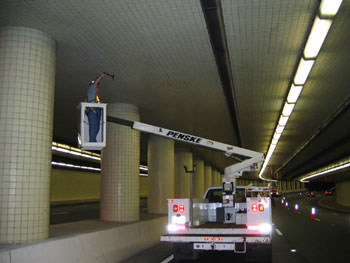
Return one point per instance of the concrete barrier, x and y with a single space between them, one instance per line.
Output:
110 245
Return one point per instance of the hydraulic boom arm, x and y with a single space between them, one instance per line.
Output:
251 159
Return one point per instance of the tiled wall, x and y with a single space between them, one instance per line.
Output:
160 173
207 176
27 81
74 185
120 167
198 179
183 157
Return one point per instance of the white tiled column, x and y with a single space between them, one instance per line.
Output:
207 176
27 86
183 157
198 178
120 201
160 173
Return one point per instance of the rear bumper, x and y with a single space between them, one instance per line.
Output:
216 239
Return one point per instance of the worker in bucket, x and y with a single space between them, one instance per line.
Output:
94 113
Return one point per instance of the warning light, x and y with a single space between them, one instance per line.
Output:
296 208
313 213
175 208
261 207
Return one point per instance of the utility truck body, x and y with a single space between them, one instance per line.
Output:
244 228
228 218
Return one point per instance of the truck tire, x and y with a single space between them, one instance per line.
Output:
184 251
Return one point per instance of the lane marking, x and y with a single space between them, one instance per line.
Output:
63 213
168 259
278 232
317 219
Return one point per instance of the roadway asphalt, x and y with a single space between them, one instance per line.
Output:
324 239
296 237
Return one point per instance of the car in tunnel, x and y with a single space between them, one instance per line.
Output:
330 191
310 194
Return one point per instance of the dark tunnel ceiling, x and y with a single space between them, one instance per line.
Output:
162 55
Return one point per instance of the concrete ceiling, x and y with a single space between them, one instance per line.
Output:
161 53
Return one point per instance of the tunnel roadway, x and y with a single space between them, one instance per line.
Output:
296 237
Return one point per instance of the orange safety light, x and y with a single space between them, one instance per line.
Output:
261 207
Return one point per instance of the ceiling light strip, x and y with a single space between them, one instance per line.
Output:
59 147
328 9
330 169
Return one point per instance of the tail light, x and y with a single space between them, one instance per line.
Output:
182 208
175 208
264 228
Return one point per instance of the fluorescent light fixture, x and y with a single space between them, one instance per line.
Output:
75 166
74 151
317 36
294 93
279 129
274 141
288 109
277 136
330 7
272 147
283 120
303 71
343 166
143 168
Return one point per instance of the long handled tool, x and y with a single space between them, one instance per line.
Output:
110 75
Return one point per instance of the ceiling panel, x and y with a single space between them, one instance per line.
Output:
161 54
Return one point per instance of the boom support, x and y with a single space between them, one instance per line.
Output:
251 159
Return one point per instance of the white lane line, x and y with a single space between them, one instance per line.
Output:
168 259
317 219
278 232
63 213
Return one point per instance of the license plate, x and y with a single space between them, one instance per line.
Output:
215 246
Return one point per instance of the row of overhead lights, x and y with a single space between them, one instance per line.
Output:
63 148
59 147
343 164
322 23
